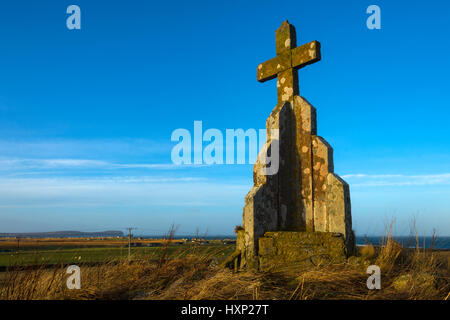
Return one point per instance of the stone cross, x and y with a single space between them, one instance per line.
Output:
289 59
303 210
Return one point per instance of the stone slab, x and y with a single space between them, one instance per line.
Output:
300 250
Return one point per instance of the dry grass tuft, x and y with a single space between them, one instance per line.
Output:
367 251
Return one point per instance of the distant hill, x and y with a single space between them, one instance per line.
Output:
63 234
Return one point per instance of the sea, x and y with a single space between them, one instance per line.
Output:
439 243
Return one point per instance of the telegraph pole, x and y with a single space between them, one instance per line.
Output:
129 243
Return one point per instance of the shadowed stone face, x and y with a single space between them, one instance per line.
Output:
304 197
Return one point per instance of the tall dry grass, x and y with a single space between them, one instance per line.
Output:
195 274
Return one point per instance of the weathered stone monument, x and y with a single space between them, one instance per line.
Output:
301 214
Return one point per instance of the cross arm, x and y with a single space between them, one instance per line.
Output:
294 58
268 70
306 54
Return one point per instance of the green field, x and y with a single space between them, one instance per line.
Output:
105 254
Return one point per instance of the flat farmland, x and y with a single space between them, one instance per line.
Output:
65 251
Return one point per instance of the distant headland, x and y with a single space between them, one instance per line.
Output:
63 234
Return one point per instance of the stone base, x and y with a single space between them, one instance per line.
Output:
301 250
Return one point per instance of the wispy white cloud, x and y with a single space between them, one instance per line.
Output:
73 148
383 180
49 164
14 164
161 166
127 191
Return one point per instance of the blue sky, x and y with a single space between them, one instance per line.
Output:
86 115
